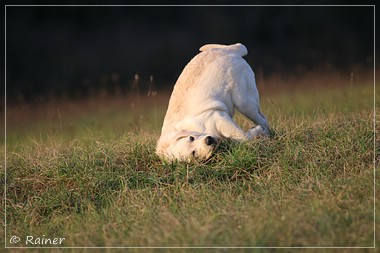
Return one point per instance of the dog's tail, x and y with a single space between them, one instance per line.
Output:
237 48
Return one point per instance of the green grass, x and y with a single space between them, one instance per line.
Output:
93 178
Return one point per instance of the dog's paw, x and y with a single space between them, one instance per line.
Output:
258 131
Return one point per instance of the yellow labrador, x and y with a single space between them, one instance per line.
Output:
201 107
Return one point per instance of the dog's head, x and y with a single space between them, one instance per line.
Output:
185 146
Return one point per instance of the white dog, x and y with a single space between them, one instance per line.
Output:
201 107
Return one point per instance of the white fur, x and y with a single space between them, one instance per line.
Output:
211 86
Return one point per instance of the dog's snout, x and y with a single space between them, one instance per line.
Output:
210 140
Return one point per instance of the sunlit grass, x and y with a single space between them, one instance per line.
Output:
93 178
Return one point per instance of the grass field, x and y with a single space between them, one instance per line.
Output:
86 171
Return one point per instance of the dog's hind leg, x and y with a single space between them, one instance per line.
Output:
259 119
246 101
254 114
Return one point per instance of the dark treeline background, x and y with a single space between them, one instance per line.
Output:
76 50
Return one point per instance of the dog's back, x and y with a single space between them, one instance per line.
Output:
205 78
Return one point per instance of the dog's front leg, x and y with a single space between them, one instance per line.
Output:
227 127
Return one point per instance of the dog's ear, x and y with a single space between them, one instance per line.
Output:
167 139
162 144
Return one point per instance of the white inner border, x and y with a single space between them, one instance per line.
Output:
374 121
